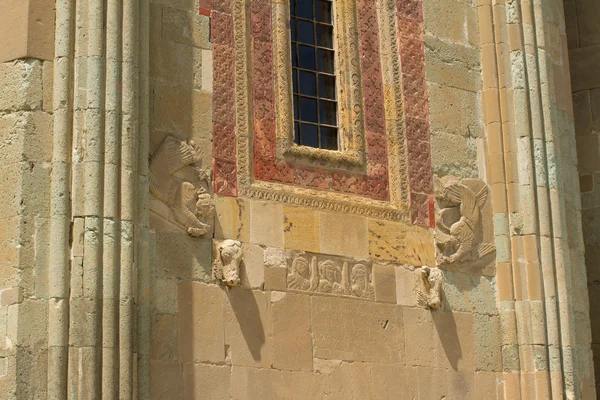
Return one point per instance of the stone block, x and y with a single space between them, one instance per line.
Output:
446 19
165 295
309 386
232 219
166 380
460 385
266 223
582 65
204 381
384 280
488 346
201 322
344 235
301 229
164 338
485 385
22 85
454 65
420 248
247 327
405 284
252 272
389 382
582 110
176 64
356 330
387 240
350 381
432 383
276 278
207 71
188 28
588 23
453 155
454 110
263 384
291 332
588 153
28 29
11 296
182 257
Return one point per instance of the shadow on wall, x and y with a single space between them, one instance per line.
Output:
247 315
446 328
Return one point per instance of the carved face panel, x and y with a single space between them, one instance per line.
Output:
360 277
300 264
231 257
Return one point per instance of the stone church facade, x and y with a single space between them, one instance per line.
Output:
299 199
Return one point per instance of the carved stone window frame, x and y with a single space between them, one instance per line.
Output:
351 128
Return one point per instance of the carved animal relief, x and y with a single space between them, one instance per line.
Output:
329 277
228 258
459 233
428 287
180 199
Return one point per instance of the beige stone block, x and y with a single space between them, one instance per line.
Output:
176 64
11 296
201 322
390 382
454 340
488 354
263 384
588 153
182 257
588 16
351 382
165 295
432 383
356 330
247 327
460 385
405 284
446 19
207 71
387 240
188 28
276 278
232 219
384 280
291 331
309 386
453 155
344 235
164 338
301 229
454 65
253 267
166 380
27 29
266 223
9 245
22 85
204 381
455 110
420 248
485 385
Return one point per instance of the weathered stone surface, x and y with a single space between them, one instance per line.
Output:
266 224
253 267
166 380
582 61
265 384
355 330
347 236
384 280
204 381
247 328
301 229
454 65
232 219
350 381
310 386
22 82
201 322
291 332
164 340
390 382
186 27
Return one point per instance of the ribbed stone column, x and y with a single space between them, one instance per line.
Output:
532 169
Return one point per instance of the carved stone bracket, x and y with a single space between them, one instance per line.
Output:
179 190
329 277
227 262
459 235
429 284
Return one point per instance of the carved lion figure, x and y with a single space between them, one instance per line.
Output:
226 267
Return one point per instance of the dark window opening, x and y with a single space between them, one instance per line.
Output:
313 74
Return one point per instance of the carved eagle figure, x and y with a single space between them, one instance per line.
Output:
462 232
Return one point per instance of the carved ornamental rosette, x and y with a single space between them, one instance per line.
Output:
328 276
464 233
179 201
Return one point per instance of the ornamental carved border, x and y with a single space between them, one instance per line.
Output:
385 168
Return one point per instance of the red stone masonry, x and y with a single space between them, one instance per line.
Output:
267 166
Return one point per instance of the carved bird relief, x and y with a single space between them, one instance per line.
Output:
186 202
458 241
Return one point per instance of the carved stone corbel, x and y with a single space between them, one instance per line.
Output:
459 228
227 262
179 190
429 284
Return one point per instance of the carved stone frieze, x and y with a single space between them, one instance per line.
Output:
329 276
459 232
227 262
429 283
180 200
